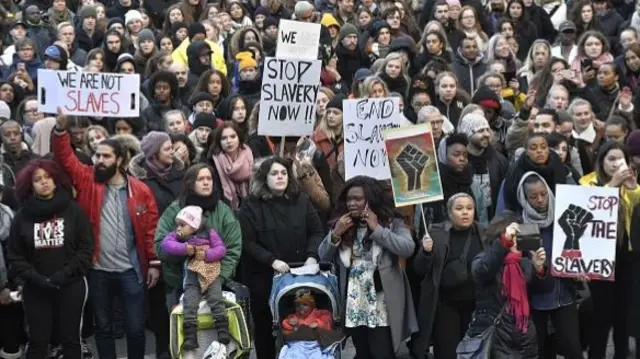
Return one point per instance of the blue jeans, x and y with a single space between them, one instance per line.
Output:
104 288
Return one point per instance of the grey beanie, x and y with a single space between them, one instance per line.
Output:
152 142
146 34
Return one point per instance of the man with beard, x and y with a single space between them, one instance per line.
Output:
441 14
351 55
487 165
492 107
123 214
15 152
186 85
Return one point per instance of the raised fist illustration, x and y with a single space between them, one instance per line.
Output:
573 222
412 161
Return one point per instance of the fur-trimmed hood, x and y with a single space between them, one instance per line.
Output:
131 144
234 44
138 170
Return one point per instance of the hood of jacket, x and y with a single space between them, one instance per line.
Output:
464 61
193 57
130 143
225 109
139 170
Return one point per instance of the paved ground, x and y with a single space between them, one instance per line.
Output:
349 352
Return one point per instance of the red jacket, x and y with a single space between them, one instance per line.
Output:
90 195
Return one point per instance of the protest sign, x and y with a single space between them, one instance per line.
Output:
96 94
363 122
298 40
288 99
413 163
585 232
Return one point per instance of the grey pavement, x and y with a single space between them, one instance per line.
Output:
348 353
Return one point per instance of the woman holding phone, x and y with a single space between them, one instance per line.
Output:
559 304
367 239
611 299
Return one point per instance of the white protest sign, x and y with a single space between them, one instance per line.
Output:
298 40
288 99
363 122
585 232
89 93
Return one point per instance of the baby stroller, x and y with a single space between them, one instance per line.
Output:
321 281
240 346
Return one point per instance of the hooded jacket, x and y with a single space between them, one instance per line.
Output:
152 116
181 55
468 71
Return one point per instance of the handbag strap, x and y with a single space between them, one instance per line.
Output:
496 320
465 251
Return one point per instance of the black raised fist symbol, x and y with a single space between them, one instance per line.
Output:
412 161
573 222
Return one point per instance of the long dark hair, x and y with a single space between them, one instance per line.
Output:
379 200
603 178
260 189
189 181
498 224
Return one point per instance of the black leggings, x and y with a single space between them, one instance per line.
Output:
55 311
567 337
450 324
372 343
12 333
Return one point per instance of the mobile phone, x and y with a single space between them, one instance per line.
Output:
529 238
509 75
586 63
622 164
15 296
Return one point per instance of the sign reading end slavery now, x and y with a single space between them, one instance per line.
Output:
89 93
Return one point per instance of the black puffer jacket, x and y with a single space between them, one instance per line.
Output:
508 340
165 190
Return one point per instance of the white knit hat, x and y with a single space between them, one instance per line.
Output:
132 15
472 123
191 216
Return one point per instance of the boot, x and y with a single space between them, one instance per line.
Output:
190 332
5 355
222 327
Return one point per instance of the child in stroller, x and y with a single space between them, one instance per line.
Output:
306 314
205 250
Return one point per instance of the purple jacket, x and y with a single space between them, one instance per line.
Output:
172 245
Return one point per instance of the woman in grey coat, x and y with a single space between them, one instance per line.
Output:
367 240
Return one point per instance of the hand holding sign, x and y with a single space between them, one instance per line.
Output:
573 222
412 161
61 120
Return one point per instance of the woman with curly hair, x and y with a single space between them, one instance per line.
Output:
367 239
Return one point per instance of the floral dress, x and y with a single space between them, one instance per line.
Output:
364 306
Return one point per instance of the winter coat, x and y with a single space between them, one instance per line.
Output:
280 228
324 144
429 267
221 220
389 245
86 42
349 62
42 35
174 246
468 72
16 163
31 67
47 245
6 217
179 55
90 196
453 110
486 271
165 190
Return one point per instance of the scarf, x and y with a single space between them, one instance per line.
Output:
514 290
37 208
453 181
157 168
529 214
207 203
234 175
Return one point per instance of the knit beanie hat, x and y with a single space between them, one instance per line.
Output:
271 21
302 7
191 216
132 15
124 58
261 10
245 60
346 30
633 143
403 43
87 11
453 3
336 101
195 29
113 21
304 296
472 123
144 35
486 97
152 142
201 96
5 110
205 120
362 74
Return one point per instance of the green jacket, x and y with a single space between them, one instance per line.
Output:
222 220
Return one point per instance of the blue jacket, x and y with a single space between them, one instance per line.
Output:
564 290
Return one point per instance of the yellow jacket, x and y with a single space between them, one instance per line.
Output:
507 93
179 55
629 198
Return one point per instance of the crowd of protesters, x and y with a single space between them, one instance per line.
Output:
521 96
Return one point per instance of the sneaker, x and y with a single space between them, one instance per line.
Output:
86 350
55 352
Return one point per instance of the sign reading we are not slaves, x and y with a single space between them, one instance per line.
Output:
89 93
288 98
298 40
